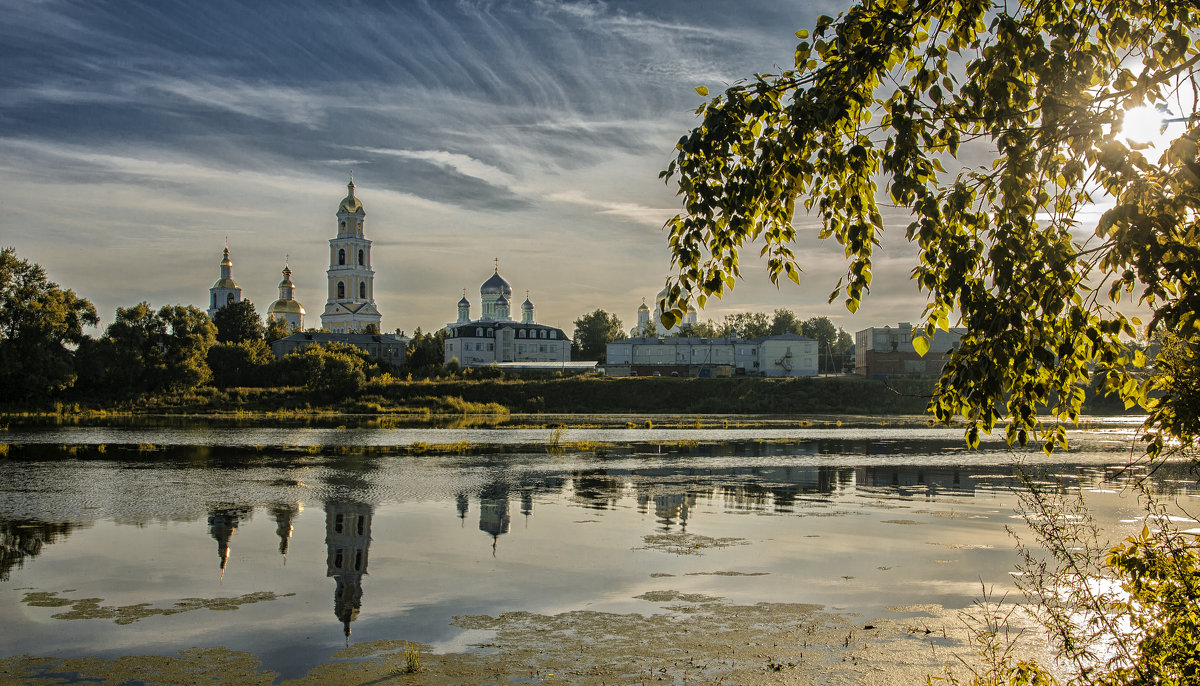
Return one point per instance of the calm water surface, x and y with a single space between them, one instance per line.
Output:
291 554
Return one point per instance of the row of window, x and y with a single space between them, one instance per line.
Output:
342 258
362 290
467 347
480 332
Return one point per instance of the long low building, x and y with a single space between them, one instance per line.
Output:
788 355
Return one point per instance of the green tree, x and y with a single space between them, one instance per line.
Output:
704 329
246 363
593 331
336 368
40 324
426 353
131 352
785 321
189 335
822 330
237 322
277 328
746 325
880 101
153 351
842 348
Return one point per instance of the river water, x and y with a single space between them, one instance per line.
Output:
281 543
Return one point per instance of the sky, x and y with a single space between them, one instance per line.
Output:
137 137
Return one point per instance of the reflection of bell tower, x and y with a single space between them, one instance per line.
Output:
284 513
223 522
493 511
347 537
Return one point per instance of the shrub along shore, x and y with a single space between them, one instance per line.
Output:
570 395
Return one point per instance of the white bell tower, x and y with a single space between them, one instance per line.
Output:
351 301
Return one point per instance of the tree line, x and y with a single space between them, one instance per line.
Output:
45 354
595 330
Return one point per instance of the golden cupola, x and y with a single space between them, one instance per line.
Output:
286 307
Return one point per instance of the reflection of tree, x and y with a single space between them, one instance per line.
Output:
24 539
223 521
347 540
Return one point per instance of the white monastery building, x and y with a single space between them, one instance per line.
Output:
225 291
286 307
495 337
351 301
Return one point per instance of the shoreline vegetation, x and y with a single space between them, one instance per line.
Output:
429 400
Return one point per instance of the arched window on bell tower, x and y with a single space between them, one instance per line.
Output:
360 258
341 291
362 290
341 256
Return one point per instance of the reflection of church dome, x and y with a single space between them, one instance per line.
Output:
502 300
223 522
643 307
464 302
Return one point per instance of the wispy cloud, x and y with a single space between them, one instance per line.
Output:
647 216
459 163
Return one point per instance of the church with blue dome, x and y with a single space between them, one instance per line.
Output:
495 337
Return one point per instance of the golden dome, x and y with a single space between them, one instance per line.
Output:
350 203
285 307
225 283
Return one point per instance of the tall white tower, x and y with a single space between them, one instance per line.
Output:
351 301
225 291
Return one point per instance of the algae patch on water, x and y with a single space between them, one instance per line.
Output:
91 608
712 642
687 543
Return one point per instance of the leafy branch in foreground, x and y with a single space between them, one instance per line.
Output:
903 99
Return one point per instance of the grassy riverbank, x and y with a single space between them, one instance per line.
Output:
595 395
